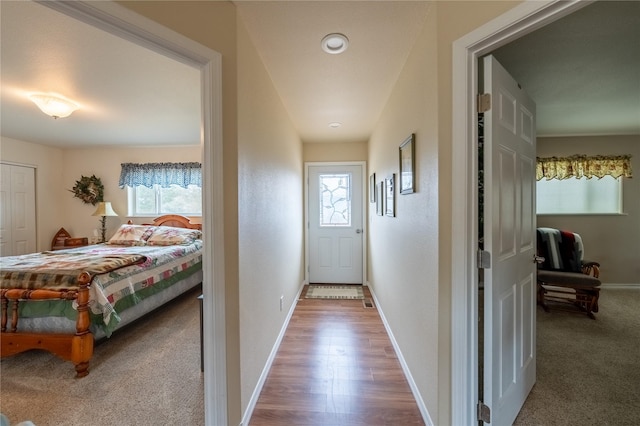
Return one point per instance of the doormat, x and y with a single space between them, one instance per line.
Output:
316 291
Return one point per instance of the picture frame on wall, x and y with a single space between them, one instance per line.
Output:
407 165
372 188
380 198
389 201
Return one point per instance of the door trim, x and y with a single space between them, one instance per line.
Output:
365 197
122 22
515 23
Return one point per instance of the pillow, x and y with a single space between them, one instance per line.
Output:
169 236
131 235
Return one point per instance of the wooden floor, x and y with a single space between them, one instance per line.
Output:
336 367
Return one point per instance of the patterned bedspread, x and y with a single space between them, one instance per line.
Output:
58 270
143 271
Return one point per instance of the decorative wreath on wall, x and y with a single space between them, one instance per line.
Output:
89 189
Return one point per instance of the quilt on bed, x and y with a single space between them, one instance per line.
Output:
151 269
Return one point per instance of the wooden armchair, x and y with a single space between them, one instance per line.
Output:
563 276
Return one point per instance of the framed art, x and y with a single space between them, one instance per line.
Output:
389 201
372 188
380 198
407 165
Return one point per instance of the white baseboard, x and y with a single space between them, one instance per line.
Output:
265 371
619 286
405 368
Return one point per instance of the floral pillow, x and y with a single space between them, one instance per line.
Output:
131 235
169 236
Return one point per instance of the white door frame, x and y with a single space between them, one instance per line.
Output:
521 20
120 21
365 197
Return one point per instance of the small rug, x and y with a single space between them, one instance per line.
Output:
316 291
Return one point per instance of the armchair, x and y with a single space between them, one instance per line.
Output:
564 276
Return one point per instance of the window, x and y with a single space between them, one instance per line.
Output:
581 184
163 188
335 200
157 201
579 196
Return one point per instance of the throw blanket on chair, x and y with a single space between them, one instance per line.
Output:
562 250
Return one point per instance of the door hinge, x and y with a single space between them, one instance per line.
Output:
484 102
484 259
484 412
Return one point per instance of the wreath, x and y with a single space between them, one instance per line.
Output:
89 189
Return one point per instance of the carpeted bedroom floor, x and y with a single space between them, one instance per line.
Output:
588 371
147 374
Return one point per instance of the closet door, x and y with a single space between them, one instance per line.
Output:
17 210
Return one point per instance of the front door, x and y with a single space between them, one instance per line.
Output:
334 224
509 237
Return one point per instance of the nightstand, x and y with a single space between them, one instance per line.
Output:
63 240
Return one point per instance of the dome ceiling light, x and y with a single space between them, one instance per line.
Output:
335 125
53 105
335 43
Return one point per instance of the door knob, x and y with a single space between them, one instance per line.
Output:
358 231
538 259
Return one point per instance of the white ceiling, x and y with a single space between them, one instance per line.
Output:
583 71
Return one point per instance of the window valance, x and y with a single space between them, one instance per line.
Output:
163 174
579 166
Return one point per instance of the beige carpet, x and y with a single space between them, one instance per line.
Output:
146 374
317 291
588 371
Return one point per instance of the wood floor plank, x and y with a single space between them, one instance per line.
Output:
336 367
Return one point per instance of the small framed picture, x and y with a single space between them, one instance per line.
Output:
372 188
390 191
407 165
380 198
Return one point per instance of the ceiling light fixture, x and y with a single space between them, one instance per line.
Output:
335 43
53 105
335 125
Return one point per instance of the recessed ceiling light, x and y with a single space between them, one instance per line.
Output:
335 43
335 125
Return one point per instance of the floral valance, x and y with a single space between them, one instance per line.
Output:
579 166
163 174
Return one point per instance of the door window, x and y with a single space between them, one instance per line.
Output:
335 199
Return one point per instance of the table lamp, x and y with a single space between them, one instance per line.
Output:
104 209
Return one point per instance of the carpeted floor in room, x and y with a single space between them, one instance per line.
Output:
146 374
588 371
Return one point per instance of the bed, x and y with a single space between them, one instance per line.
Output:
61 301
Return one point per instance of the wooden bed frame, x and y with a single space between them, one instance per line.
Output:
77 347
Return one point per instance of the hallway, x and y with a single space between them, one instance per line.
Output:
336 367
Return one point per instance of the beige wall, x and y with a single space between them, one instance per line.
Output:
612 240
105 164
57 171
270 177
327 152
49 166
402 268
411 276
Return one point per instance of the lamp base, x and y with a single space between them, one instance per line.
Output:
103 228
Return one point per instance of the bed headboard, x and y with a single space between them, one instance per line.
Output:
175 220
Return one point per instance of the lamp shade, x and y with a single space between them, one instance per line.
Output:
104 209
54 106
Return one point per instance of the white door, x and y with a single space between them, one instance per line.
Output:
335 231
18 210
509 230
